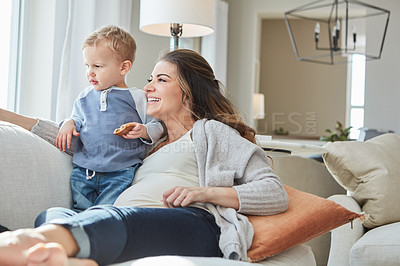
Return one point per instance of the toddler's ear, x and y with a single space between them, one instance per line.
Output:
125 67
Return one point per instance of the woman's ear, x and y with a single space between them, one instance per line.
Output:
185 100
126 67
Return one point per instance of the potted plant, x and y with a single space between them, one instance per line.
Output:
340 133
281 131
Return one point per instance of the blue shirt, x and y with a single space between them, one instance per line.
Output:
97 114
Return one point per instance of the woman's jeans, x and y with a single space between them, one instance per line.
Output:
98 188
110 234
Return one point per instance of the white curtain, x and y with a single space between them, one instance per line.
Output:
83 18
214 47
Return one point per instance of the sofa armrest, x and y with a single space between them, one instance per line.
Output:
344 237
34 175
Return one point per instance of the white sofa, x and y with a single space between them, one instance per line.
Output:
34 175
370 172
358 246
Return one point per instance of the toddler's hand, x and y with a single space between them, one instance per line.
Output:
139 131
63 140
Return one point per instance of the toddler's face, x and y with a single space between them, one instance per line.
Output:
103 67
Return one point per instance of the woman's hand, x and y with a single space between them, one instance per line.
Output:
185 196
139 131
63 140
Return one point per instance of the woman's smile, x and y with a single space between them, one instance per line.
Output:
151 100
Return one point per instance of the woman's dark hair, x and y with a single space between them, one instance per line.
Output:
197 81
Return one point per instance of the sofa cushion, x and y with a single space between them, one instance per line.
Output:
34 176
380 246
371 172
299 256
307 217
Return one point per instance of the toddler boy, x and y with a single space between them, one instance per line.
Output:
105 164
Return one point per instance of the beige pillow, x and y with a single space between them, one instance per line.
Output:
371 171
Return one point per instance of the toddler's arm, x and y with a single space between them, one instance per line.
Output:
138 131
63 140
154 127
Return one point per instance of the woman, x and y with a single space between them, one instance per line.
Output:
191 192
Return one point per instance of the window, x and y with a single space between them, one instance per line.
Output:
357 92
5 22
9 47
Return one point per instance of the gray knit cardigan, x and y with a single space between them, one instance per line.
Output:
226 159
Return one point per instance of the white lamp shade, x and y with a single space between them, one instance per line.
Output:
196 16
258 106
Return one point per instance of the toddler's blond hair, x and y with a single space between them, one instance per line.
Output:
120 41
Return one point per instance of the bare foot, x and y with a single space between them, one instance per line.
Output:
50 254
13 245
28 247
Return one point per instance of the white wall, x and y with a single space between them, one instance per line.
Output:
243 45
382 82
300 97
382 92
148 51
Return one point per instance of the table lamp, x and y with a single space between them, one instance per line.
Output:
258 106
177 18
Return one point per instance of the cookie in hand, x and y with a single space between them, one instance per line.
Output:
125 128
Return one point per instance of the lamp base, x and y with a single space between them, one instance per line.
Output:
176 32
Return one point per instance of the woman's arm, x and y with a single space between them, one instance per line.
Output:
45 129
225 159
17 119
185 196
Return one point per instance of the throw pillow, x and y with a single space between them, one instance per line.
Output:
370 170
307 217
